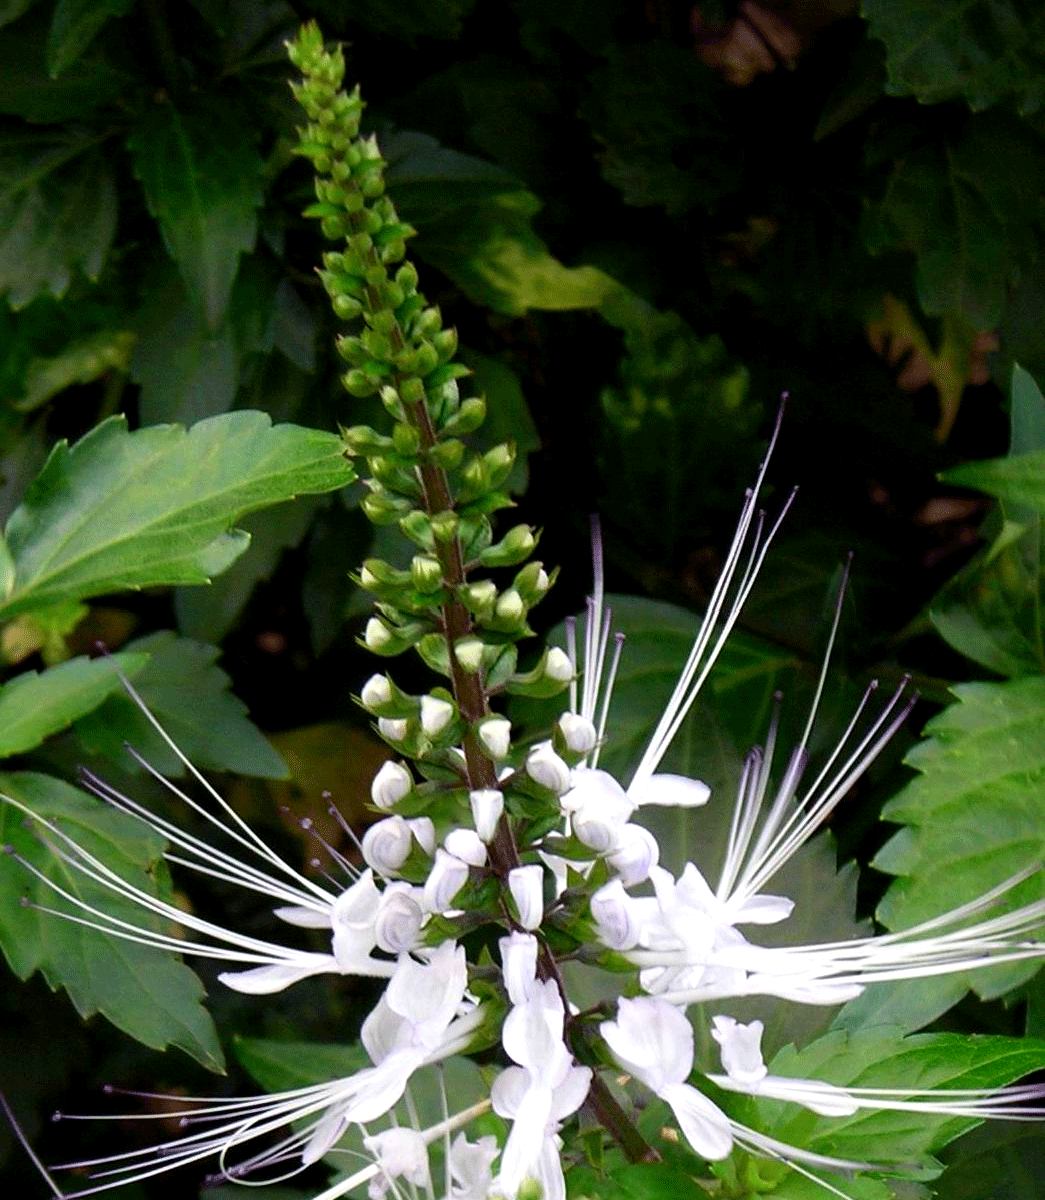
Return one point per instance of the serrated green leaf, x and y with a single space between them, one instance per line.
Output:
147 993
74 24
982 50
57 212
129 510
190 697
279 1066
976 813
201 174
33 706
881 1058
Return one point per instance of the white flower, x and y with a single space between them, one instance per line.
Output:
399 919
545 767
436 715
527 887
392 782
495 733
654 1042
537 1094
487 806
635 854
470 1164
399 1153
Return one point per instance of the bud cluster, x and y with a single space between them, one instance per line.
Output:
422 475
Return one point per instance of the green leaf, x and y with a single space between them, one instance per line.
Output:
475 226
186 372
970 210
880 1058
147 993
280 1066
57 212
82 361
74 24
1018 480
130 510
201 174
209 613
33 706
975 815
1002 1160
27 90
189 696
982 50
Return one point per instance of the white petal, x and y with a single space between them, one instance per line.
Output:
652 1040
519 965
761 910
571 1093
304 918
507 1091
527 887
263 981
671 791
704 1125
741 1048
598 793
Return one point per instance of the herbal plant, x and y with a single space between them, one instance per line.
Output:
507 874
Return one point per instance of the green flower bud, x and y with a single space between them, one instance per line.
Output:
444 526
499 462
393 404
532 582
510 607
412 391
469 653
357 383
447 454
383 509
418 528
406 277
468 417
406 438
479 597
361 439
516 545
426 574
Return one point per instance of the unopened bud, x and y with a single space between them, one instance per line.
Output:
436 714
446 878
377 634
636 854
426 573
487 806
510 606
466 845
545 767
390 785
495 733
469 653
376 692
386 845
579 734
557 665
527 887
612 912
399 919
392 728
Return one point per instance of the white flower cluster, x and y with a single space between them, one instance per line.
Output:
398 918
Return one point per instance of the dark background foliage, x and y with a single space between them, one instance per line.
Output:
647 220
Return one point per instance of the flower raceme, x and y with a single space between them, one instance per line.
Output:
584 880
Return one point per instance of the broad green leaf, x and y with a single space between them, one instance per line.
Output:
280 1066
57 212
907 1005
475 223
1018 480
201 175
82 361
27 90
209 613
982 50
33 706
186 372
969 208
991 611
130 510
881 1058
975 815
190 698
74 24
147 993
1002 1160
